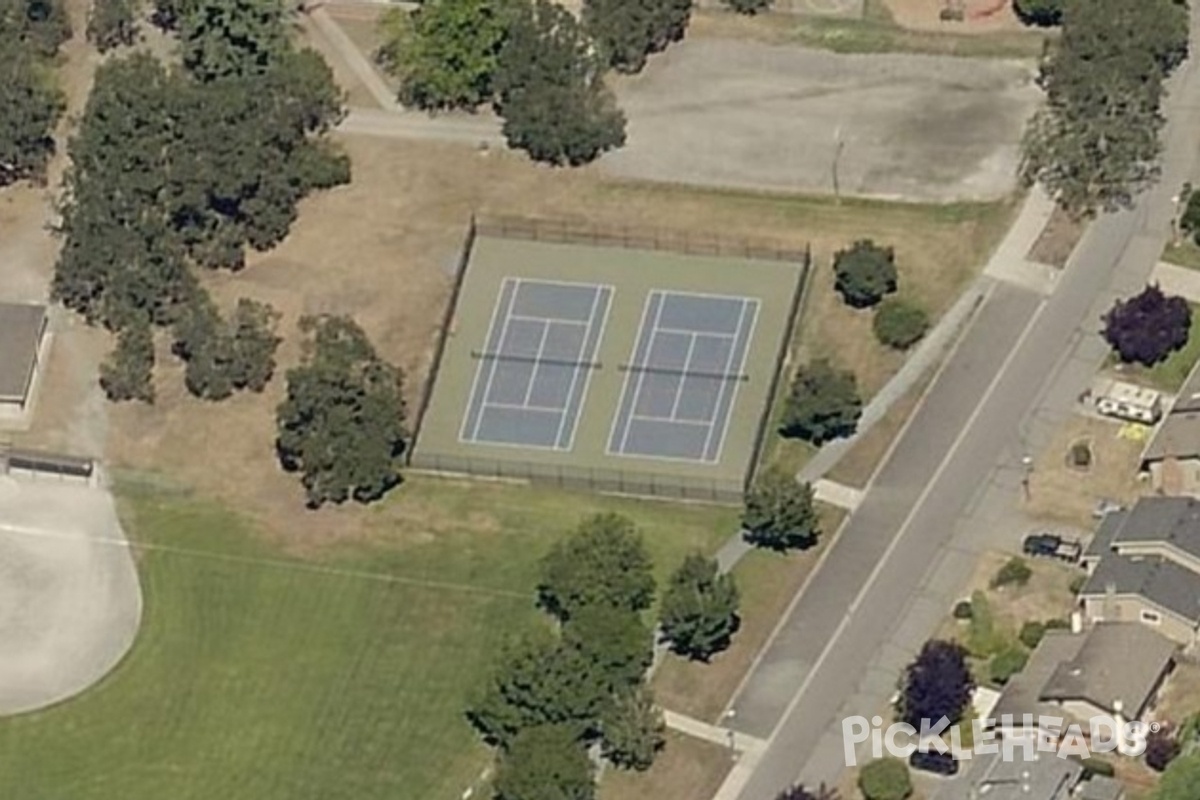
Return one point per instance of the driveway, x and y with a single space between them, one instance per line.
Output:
751 115
70 603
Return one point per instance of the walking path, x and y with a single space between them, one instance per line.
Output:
355 60
727 737
837 494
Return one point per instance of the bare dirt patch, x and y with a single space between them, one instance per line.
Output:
1057 240
1180 695
979 16
1062 492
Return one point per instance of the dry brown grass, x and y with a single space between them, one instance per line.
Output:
1063 493
1179 698
1058 239
686 769
768 582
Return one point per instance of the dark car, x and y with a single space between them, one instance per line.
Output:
935 762
1048 545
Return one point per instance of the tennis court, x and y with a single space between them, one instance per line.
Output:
616 365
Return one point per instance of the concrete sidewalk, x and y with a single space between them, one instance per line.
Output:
726 737
1177 280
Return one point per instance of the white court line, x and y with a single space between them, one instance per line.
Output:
462 432
525 407
725 383
689 422
560 320
637 339
686 332
607 290
575 372
637 388
687 362
537 363
750 303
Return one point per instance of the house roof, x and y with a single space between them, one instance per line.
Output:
1099 787
1117 661
1043 777
1101 542
1188 398
1160 581
1153 520
1179 434
1111 661
20 334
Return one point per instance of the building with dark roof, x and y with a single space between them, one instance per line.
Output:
22 330
1172 457
1144 566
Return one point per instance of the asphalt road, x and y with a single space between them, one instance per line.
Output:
972 422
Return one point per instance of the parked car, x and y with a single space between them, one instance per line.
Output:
1104 507
935 762
1048 545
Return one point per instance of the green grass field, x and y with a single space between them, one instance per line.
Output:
261 675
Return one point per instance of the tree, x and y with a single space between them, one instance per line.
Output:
799 792
1006 663
1180 780
221 356
699 609
30 107
937 684
550 89
899 324
112 23
342 423
823 404
865 273
885 779
1162 747
128 372
545 763
627 31
632 729
537 681
603 562
1148 327
614 641
445 52
1043 13
40 25
779 513
224 38
1094 144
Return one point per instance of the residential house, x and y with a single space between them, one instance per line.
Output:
1144 566
1172 457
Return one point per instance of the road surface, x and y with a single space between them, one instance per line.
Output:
1015 373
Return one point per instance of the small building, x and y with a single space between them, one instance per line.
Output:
22 330
1172 456
1128 401
1042 776
1144 566
1112 669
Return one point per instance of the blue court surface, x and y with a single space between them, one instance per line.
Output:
683 378
534 370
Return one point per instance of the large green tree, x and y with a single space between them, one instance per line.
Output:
699 608
545 763
128 372
613 639
223 38
780 513
550 89
112 23
627 31
1094 144
632 729
823 404
226 356
341 425
30 107
445 52
42 25
603 562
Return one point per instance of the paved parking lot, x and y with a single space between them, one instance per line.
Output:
746 114
70 602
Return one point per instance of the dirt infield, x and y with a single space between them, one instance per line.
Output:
750 115
70 603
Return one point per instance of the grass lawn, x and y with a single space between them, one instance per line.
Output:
1169 374
259 674
687 769
767 581
1184 254
875 32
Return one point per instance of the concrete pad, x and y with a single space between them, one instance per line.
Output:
837 494
1177 280
70 602
752 115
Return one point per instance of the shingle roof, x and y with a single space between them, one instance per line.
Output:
1118 661
1179 434
1043 777
20 332
1162 582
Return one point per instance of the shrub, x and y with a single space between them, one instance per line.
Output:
749 7
1093 766
1031 633
1006 663
1043 13
1015 572
823 404
1190 221
1161 748
779 513
1147 327
962 609
865 273
885 779
899 324
1058 623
